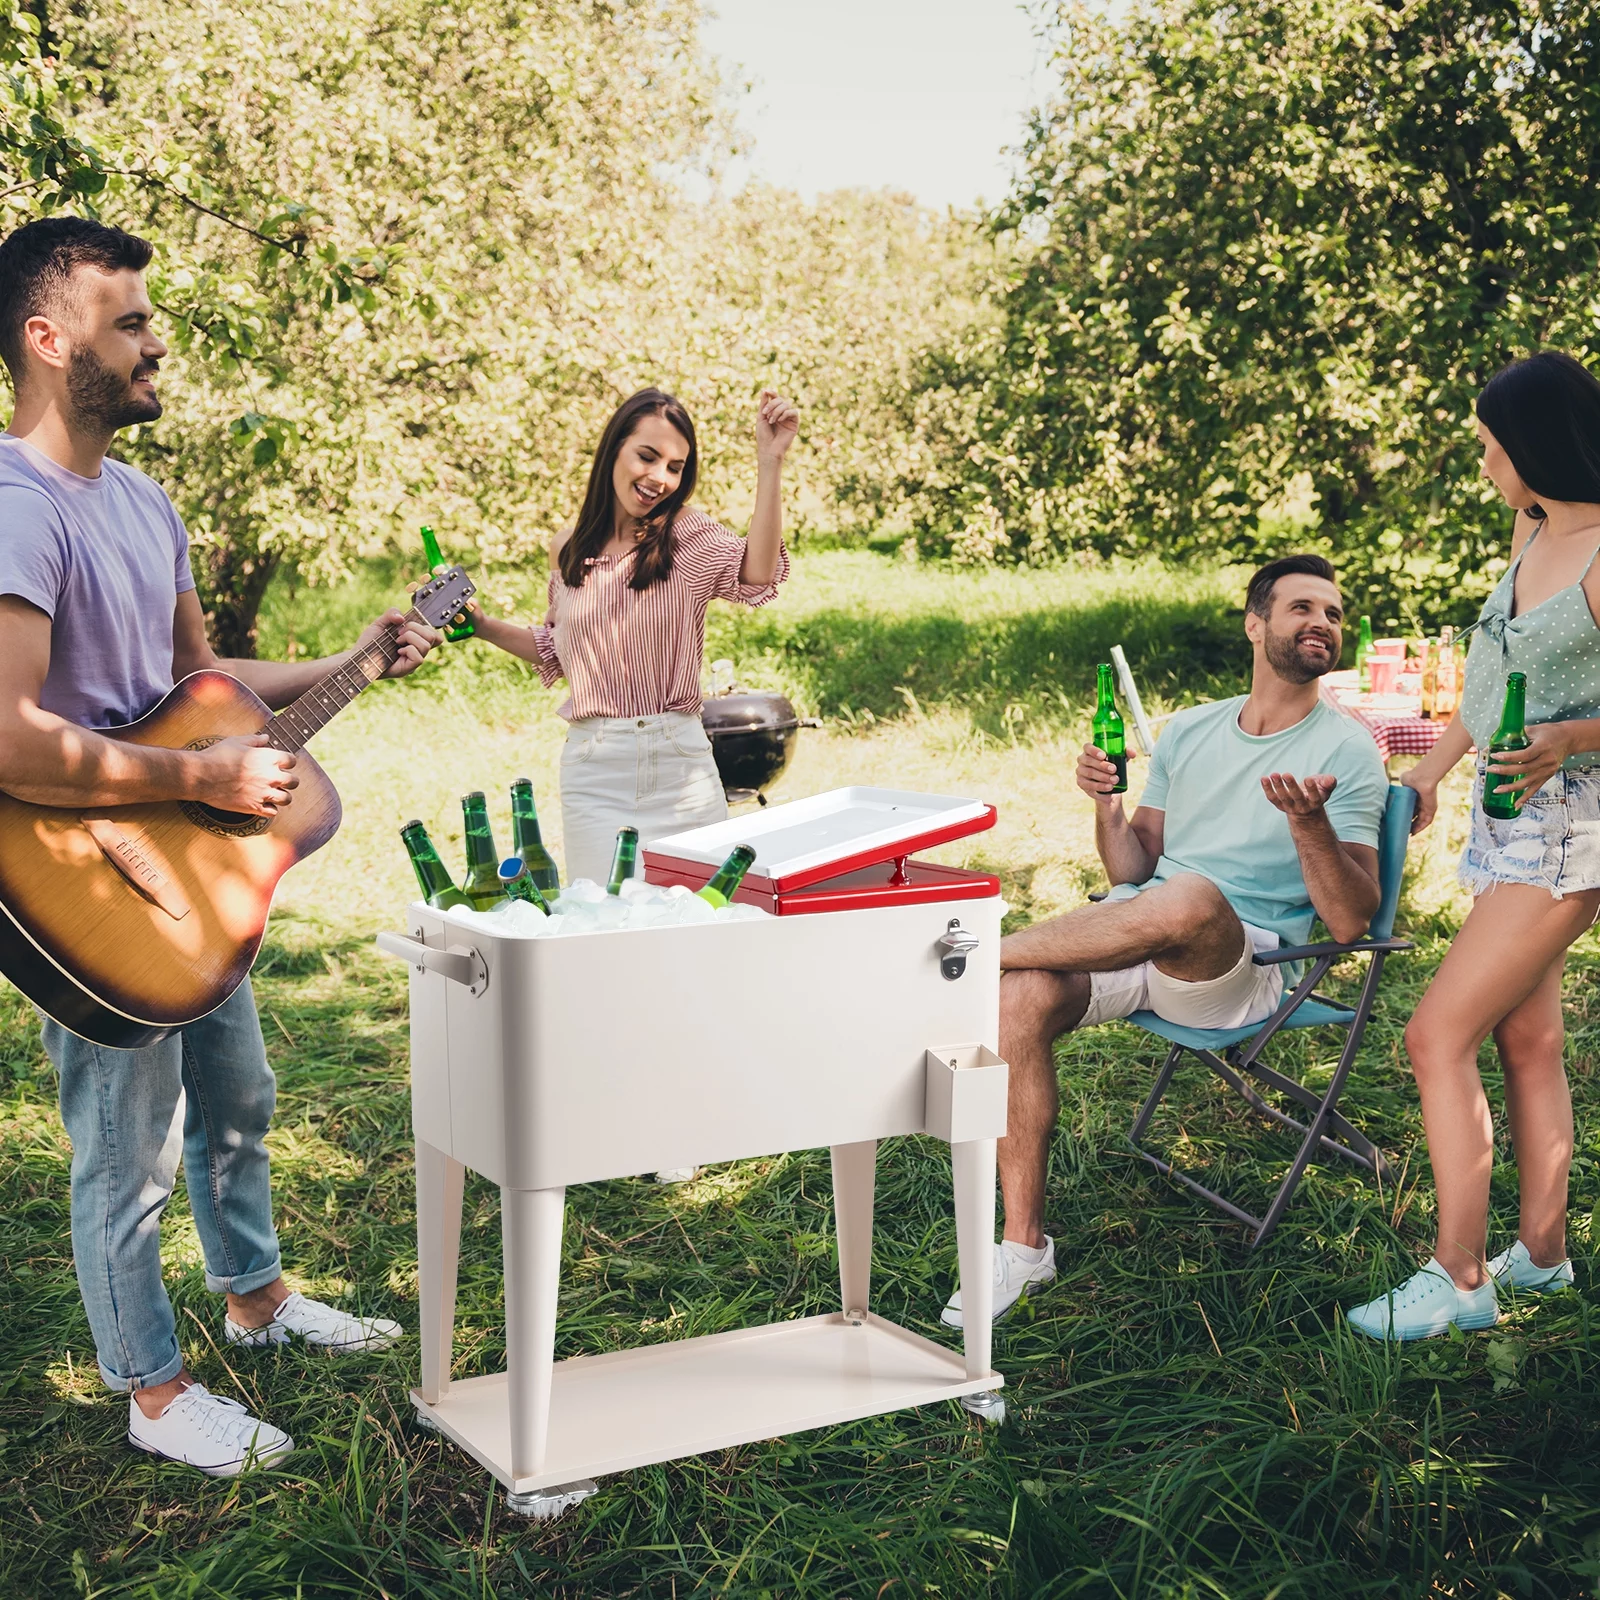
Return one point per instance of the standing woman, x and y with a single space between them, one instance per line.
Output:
1536 878
626 626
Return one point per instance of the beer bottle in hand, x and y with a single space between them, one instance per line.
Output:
1109 735
436 565
433 877
517 881
482 885
525 839
622 861
1509 737
727 878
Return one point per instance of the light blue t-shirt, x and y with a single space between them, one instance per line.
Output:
1206 776
105 559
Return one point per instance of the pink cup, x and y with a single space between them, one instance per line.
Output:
1383 671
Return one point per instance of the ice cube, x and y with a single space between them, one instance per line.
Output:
740 912
636 889
584 891
691 908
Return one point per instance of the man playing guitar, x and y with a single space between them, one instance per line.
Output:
100 617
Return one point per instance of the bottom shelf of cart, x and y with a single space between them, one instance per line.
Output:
631 1408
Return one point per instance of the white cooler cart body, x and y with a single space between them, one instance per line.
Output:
542 1063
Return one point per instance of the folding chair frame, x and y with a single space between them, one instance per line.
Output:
1237 1060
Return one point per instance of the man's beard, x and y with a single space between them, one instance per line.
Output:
102 401
1286 659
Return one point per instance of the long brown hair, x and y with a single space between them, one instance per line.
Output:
654 552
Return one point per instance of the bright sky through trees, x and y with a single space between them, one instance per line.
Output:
917 95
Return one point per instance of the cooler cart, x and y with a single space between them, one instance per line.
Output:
542 1063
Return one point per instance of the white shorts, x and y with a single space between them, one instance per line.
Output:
1244 994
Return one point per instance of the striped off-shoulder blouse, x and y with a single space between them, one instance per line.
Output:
638 652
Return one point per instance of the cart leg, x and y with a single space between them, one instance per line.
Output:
854 1169
973 1167
530 1226
439 1189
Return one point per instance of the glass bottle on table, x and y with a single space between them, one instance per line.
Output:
1447 677
1363 651
1428 657
516 880
725 881
623 859
525 838
482 883
433 877
1510 737
1110 737
436 565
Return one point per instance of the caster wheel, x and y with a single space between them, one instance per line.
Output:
545 1505
426 1423
988 1405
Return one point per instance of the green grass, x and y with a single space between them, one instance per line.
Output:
1186 1419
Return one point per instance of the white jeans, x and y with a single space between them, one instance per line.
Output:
656 774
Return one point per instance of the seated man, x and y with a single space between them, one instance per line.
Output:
1260 814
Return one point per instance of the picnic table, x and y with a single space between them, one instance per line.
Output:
1395 721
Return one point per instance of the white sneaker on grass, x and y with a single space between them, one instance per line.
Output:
203 1430
1426 1305
1016 1273
1515 1269
318 1325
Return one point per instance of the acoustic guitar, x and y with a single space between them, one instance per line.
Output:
124 923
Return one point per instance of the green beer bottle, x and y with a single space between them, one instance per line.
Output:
482 884
1109 734
517 882
1510 736
1363 650
433 877
525 839
436 565
727 878
622 862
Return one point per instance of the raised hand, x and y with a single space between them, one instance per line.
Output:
777 425
245 774
1298 797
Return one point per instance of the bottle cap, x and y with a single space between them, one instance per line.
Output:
472 797
511 868
406 827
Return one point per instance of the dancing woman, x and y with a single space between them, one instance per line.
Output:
626 626
1535 878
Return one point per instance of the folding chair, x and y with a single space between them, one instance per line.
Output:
1234 1053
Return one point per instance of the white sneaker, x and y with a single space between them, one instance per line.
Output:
319 1325
1515 1269
1013 1278
676 1175
203 1430
1426 1305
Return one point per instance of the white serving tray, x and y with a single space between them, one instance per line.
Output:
843 825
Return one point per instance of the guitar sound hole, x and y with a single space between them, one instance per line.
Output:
230 824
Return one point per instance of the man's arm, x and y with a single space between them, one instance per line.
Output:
280 683
52 762
1128 850
1342 879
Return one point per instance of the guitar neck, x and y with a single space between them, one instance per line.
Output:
292 727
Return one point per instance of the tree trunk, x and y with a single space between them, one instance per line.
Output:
232 582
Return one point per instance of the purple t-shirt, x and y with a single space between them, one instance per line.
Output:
105 559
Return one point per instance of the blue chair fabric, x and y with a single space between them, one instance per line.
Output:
1233 1054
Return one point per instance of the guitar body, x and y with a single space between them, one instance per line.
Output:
124 923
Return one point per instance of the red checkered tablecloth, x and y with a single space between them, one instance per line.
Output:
1397 730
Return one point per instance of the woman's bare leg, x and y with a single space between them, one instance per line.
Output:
1539 1109
1511 941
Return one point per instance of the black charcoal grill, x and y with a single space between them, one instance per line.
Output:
752 733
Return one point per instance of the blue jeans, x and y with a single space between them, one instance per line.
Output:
206 1091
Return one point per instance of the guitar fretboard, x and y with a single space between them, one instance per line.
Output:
325 699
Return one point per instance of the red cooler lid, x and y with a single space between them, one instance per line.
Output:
807 841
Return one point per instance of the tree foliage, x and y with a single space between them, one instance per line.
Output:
1276 248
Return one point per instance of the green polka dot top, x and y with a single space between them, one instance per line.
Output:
1556 645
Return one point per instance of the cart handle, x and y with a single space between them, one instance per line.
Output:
459 963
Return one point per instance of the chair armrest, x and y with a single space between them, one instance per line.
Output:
1099 895
1309 952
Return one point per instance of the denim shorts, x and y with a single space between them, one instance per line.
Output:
1552 843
